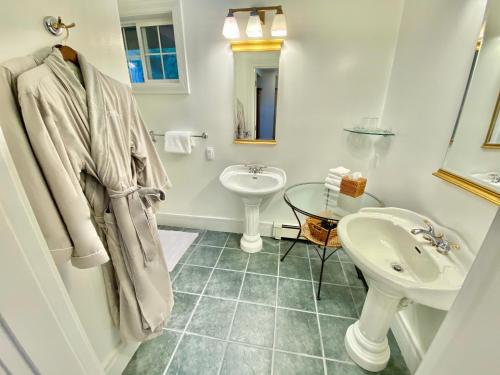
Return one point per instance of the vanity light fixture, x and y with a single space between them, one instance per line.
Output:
254 25
255 22
231 29
278 27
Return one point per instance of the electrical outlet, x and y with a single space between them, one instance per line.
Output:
210 153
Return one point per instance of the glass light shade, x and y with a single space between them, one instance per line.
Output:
254 27
231 30
278 27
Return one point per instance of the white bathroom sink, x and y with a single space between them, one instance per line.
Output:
380 243
252 183
239 180
400 266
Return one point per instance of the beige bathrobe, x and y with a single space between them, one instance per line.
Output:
41 201
104 172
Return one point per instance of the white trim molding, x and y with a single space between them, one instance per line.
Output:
222 224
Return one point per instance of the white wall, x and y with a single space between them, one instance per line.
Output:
97 35
435 49
335 68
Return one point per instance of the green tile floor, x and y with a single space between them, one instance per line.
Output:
237 313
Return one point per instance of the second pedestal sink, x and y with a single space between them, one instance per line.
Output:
404 257
252 183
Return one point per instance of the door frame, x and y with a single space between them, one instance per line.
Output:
37 315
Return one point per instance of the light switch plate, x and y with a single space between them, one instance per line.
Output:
210 153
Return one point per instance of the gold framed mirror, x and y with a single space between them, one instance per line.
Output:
493 136
256 76
472 160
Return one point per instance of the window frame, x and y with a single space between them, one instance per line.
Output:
143 16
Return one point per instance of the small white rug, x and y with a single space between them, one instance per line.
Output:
175 244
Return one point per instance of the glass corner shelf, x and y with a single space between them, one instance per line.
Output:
370 131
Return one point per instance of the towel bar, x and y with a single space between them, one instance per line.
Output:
153 135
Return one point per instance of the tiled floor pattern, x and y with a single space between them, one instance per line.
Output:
236 313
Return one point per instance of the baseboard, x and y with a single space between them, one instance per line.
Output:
410 349
117 360
217 223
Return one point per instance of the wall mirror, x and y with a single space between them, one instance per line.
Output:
473 157
256 76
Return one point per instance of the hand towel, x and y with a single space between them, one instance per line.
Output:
356 175
333 178
339 171
333 181
332 187
178 142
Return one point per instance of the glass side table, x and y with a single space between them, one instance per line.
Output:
314 200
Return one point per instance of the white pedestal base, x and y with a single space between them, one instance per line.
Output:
251 241
366 339
371 356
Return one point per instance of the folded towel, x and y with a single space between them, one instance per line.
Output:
333 178
178 142
339 171
356 175
332 187
333 181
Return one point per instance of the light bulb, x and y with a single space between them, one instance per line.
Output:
278 27
231 30
254 26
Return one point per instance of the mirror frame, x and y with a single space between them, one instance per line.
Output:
257 45
494 118
469 185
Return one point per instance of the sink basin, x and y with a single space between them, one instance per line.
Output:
239 180
252 187
400 267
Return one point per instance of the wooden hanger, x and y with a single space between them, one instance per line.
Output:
68 53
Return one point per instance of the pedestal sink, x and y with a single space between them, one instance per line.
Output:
400 267
252 184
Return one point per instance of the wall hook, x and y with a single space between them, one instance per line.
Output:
55 25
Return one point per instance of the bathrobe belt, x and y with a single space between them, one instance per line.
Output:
139 201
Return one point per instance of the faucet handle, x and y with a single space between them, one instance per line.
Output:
430 227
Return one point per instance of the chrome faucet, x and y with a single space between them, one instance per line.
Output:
255 169
442 245
494 178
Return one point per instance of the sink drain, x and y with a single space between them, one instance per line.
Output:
397 267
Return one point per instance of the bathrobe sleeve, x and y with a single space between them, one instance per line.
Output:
62 179
150 171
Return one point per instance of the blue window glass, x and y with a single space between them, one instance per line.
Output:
167 38
155 70
135 70
131 41
150 39
170 66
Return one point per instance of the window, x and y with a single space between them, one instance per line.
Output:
154 47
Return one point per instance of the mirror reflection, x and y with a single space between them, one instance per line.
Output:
474 152
256 92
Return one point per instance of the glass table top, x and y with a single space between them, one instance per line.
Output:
315 200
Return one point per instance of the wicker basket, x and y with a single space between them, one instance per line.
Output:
317 231
353 188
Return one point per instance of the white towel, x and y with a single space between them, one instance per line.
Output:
178 142
332 187
339 171
333 181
